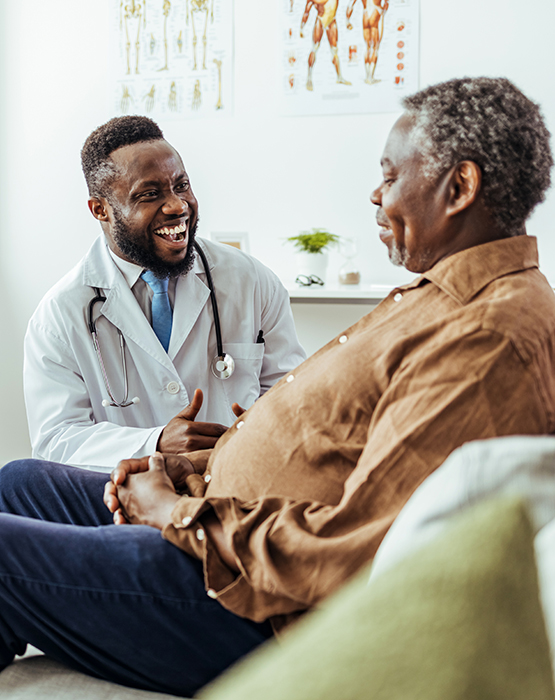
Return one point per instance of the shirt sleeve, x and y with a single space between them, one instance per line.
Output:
292 554
60 415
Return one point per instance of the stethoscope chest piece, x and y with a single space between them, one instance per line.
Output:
222 366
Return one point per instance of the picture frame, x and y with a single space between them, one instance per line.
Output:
239 240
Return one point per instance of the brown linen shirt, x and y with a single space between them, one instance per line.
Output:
307 482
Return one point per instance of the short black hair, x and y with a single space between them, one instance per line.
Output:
98 168
491 122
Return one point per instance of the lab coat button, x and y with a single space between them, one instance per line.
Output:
208 478
398 297
173 388
211 593
187 520
343 339
200 534
290 378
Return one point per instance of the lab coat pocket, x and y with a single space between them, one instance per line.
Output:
248 365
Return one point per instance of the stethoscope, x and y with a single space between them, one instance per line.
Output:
222 366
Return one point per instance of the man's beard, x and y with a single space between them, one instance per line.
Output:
145 255
399 256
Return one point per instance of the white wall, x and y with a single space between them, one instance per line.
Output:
256 171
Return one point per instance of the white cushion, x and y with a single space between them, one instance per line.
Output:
521 466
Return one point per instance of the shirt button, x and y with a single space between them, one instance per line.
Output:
187 520
200 534
173 388
343 339
398 297
240 424
208 478
211 593
290 378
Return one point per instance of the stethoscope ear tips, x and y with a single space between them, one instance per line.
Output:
136 400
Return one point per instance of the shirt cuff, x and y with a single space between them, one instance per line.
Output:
149 447
187 532
199 459
233 591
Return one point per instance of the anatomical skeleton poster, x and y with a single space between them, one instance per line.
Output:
347 56
172 58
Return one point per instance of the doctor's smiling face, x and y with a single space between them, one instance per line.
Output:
150 214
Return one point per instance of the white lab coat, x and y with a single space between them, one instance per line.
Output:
63 383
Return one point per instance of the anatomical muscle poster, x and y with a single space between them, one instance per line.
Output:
347 56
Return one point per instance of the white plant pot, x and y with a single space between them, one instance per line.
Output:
312 264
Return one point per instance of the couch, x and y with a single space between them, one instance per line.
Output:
459 602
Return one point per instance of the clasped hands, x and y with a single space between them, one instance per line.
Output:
143 491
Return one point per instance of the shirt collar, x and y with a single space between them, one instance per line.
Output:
129 270
463 275
132 272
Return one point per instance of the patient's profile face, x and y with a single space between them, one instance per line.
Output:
410 205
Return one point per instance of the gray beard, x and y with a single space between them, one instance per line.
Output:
398 256
401 258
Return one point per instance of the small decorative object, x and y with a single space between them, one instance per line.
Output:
348 272
311 256
235 240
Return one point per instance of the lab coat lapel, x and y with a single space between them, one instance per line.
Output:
191 295
121 307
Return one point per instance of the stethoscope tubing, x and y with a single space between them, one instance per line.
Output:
99 297
217 326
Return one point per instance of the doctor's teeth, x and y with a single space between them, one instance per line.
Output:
165 231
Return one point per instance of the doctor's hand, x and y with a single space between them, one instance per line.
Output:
177 467
183 434
238 410
147 497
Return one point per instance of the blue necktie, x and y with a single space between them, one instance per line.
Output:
161 309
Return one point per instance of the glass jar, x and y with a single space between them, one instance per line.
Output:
348 272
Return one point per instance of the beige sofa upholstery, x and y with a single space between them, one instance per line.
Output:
40 678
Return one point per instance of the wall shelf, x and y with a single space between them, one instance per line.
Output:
339 294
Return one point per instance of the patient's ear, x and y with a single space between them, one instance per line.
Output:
464 186
99 208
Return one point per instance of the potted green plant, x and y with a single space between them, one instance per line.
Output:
312 255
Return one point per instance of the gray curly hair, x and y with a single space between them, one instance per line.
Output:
491 122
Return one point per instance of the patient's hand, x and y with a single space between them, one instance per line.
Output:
177 468
147 497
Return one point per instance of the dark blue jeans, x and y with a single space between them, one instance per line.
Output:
116 602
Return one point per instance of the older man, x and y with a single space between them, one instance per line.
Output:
298 494
148 287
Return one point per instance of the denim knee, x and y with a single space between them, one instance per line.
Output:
15 474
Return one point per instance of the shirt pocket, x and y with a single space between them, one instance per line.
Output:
244 384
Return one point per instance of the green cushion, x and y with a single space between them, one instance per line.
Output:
461 618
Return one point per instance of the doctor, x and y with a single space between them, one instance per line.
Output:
142 197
